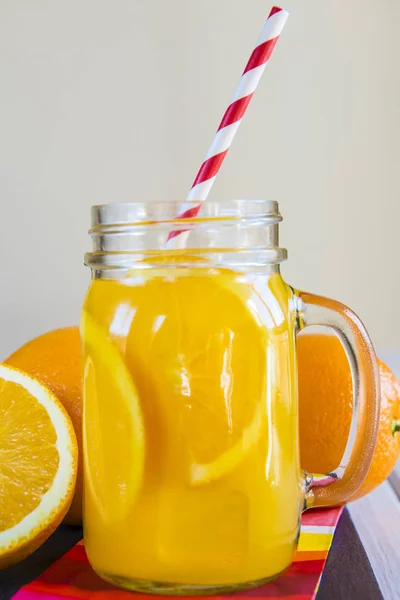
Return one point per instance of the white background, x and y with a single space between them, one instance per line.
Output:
106 101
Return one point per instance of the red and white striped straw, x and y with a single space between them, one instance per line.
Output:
233 117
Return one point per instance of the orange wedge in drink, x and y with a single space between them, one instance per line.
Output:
113 461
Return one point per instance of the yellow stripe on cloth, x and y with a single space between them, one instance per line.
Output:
316 542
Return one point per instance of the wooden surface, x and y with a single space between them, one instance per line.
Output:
377 520
348 574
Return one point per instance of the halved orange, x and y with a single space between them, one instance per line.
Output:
38 464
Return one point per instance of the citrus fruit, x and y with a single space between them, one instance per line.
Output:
196 343
38 464
224 464
55 359
326 399
113 447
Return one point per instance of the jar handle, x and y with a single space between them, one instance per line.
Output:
339 486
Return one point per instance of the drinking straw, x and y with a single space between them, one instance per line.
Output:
231 120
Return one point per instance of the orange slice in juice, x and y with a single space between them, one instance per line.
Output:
114 443
197 350
226 462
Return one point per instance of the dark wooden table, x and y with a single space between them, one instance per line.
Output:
348 574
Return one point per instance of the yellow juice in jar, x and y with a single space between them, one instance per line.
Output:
190 428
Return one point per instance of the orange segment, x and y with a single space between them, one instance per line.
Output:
226 462
197 342
113 425
38 464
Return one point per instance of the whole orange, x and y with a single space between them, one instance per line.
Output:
326 399
55 359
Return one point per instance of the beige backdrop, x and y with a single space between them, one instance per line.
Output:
105 101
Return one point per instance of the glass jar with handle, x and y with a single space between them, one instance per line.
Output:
193 483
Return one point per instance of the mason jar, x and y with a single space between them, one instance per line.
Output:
193 482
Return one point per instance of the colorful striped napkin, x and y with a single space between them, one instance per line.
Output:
72 578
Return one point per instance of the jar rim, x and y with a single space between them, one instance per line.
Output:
230 232
165 211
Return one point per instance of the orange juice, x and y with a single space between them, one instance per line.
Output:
192 479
